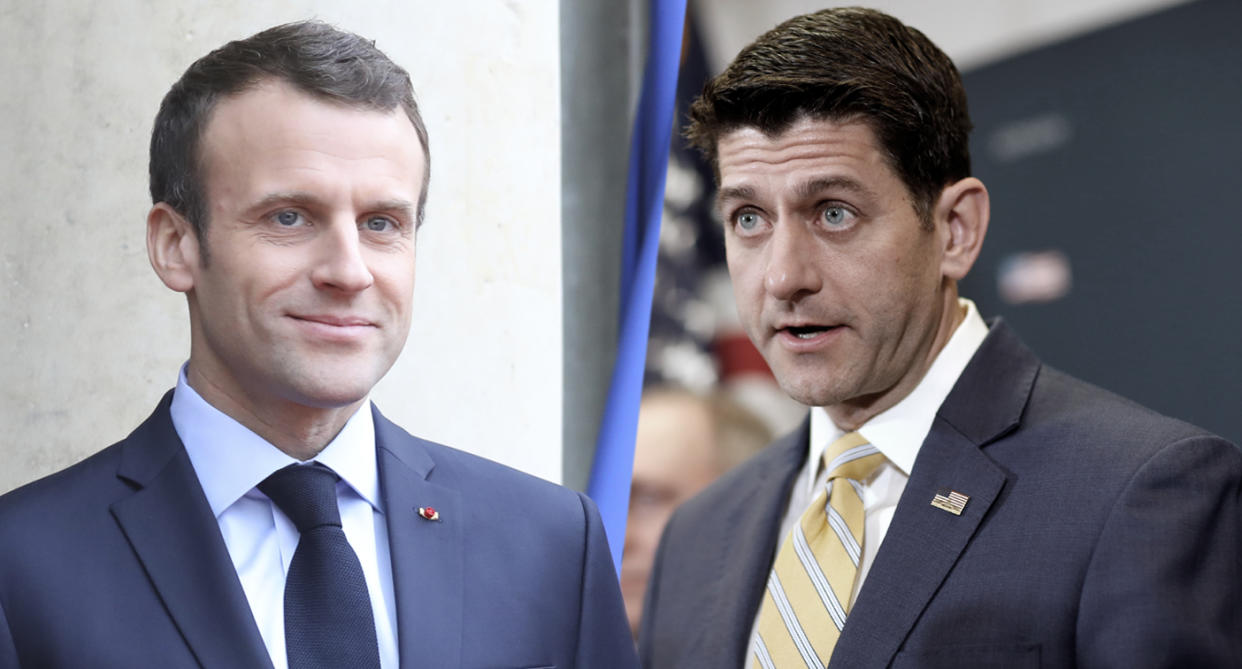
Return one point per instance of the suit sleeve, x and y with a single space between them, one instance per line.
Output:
8 649
1164 588
603 631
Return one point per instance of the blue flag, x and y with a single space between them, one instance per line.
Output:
613 466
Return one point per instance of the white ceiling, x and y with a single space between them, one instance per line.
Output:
972 32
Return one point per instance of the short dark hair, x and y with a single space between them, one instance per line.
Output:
314 57
848 64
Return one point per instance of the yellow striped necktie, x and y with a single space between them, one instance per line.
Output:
812 581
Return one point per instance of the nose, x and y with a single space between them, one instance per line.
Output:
342 263
791 271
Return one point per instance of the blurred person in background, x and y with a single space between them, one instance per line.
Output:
685 441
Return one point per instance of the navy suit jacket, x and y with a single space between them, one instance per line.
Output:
118 562
1097 534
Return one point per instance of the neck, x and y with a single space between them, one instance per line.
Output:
298 430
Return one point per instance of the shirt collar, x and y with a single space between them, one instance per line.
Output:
899 431
230 459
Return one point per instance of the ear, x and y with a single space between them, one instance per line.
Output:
172 248
963 210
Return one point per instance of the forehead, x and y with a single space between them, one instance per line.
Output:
273 124
675 432
809 148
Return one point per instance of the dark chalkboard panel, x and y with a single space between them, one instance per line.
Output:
1114 160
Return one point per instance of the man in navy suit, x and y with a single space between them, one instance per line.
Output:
1008 514
289 173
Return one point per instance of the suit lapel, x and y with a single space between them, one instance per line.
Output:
923 542
745 547
427 556
176 538
920 548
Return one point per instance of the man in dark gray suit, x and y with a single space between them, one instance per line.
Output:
950 501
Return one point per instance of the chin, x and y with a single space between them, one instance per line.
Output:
325 401
811 391
337 383
332 395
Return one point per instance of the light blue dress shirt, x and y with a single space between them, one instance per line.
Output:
230 461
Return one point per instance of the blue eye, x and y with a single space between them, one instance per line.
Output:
747 220
288 218
378 224
835 217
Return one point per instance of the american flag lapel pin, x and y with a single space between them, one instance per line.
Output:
950 500
428 513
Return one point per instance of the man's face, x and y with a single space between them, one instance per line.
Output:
305 298
675 456
837 281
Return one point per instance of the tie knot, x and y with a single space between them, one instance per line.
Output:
852 457
305 493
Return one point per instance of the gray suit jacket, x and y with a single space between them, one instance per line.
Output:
1097 534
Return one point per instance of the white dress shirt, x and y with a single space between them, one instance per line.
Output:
230 461
897 433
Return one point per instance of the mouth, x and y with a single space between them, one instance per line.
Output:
807 337
807 331
334 329
333 321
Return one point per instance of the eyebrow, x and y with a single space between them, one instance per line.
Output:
802 191
302 198
308 199
403 207
808 189
728 193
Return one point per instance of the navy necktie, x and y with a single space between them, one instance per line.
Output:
328 619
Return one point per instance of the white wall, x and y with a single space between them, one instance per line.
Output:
90 339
